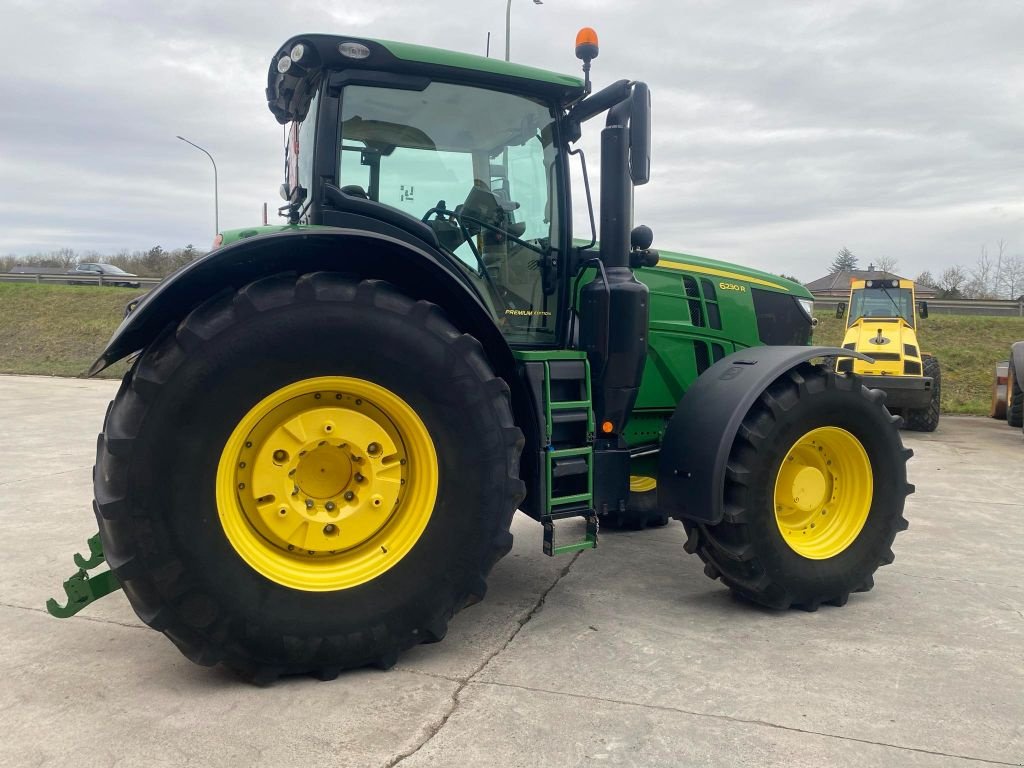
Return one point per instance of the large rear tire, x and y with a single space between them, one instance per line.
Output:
308 475
927 419
1014 398
814 495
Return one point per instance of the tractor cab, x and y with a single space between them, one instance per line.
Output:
471 172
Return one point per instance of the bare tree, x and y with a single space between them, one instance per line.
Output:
981 283
887 264
65 258
925 279
951 282
1011 277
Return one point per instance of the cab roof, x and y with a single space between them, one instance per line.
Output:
289 92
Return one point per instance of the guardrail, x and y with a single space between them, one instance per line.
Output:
993 308
65 279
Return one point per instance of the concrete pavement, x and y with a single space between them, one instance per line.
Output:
626 655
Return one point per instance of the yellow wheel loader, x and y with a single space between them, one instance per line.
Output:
881 323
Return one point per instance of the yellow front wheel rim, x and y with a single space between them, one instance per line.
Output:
642 484
823 493
327 483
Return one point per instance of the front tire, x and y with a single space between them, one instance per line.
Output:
815 489
309 475
1014 398
927 419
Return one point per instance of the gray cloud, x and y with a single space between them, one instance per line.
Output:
783 130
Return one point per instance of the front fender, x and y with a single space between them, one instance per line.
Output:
355 252
700 434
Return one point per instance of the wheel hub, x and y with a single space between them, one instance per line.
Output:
328 480
310 484
823 493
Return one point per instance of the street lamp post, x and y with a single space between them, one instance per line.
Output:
508 22
216 201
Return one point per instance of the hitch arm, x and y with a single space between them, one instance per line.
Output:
81 588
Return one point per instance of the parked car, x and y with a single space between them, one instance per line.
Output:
111 275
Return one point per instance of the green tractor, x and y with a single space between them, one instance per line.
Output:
327 427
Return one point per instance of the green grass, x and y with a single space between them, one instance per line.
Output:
967 347
59 330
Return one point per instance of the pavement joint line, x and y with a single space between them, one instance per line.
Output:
975 502
44 477
955 581
463 682
78 617
741 720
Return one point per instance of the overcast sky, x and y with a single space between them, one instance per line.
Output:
782 130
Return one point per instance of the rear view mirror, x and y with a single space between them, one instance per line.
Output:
640 134
841 310
922 309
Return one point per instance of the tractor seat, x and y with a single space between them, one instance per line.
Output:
355 191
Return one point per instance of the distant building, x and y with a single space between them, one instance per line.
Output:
837 285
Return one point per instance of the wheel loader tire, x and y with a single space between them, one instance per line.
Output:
927 419
307 475
828 438
1014 398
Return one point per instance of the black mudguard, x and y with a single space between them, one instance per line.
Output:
699 437
358 253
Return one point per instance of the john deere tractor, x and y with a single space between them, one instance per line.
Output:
327 427
881 324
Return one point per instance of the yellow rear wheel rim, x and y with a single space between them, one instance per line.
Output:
327 483
823 493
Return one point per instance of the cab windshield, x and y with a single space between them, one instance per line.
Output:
478 167
882 302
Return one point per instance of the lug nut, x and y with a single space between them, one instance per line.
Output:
349 495
330 529
309 503
359 478
330 506
280 456
373 449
